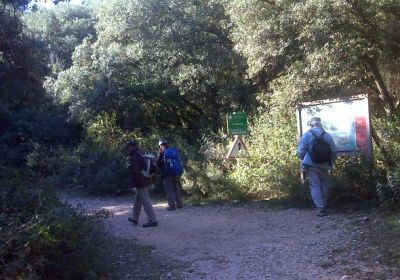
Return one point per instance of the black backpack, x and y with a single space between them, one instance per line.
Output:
320 149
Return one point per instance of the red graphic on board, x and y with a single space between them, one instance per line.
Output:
361 133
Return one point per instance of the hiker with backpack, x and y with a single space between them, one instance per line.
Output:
170 164
142 181
317 151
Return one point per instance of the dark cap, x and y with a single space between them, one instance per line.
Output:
131 143
314 121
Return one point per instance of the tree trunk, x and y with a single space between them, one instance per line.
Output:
384 95
387 159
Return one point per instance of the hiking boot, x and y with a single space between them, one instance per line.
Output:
150 224
179 207
169 208
130 219
321 212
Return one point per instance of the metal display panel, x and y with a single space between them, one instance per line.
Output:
347 120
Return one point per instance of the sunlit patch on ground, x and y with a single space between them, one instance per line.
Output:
160 205
124 209
118 210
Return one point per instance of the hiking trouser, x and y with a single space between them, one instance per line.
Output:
142 198
172 188
319 186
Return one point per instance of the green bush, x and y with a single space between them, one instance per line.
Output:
98 164
353 180
206 180
271 169
42 238
205 176
388 187
393 184
388 175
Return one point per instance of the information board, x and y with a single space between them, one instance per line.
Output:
347 120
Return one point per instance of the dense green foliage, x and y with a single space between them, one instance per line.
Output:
271 169
310 50
175 70
42 238
58 31
77 81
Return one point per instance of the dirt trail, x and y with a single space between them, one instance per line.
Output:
232 242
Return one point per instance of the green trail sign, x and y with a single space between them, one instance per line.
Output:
237 123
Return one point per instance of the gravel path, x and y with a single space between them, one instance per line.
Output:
236 242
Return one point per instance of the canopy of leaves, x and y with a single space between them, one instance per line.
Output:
315 49
160 64
58 31
27 113
175 67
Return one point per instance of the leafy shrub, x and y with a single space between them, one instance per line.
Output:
204 180
205 176
271 168
98 164
388 175
43 160
353 180
388 189
299 195
25 130
42 238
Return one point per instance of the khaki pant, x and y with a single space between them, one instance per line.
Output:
142 198
172 188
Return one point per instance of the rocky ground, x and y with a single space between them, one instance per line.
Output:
243 242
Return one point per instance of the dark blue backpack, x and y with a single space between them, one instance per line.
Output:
172 162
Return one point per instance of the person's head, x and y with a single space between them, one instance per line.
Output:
163 144
131 146
315 122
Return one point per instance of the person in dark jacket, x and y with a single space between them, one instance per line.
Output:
142 184
171 183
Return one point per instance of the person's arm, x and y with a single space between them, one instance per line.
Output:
302 147
159 160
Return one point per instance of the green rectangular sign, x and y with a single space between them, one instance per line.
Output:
237 123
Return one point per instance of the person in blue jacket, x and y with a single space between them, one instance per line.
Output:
317 172
171 182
